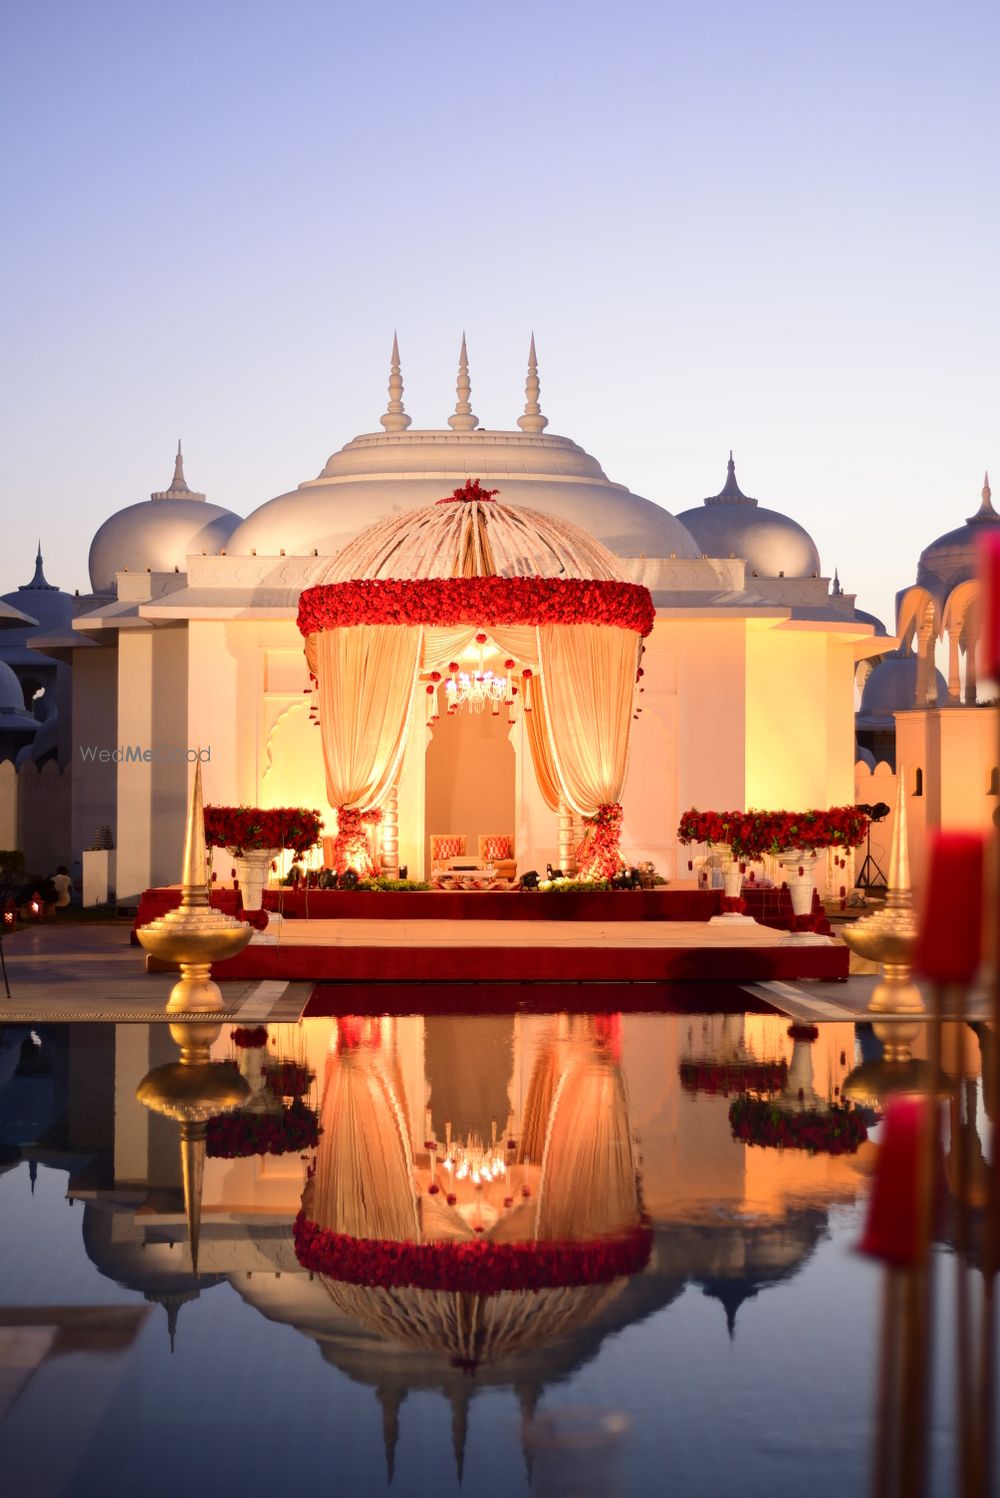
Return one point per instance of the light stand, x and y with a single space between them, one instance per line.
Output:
871 874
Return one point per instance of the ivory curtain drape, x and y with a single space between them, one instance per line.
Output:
539 742
367 678
588 685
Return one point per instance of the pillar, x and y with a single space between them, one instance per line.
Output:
389 830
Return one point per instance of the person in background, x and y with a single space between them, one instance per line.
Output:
63 886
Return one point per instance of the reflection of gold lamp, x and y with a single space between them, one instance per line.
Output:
193 1090
195 935
889 937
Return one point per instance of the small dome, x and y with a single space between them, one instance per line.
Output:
11 695
731 523
384 474
892 687
864 618
472 534
159 533
49 606
951 559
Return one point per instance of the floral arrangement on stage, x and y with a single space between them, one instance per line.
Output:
476 600
598 857
574 886
838 1131
249 1038
233 1136
287 1078
751 834
243 829
724 1077
473 1266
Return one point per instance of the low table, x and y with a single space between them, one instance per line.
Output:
484 878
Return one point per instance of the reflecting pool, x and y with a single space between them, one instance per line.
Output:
509 1253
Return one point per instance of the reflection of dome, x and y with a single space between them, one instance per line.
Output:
731 523
140 1262
951 559
892 687
159 534
473 536
379 476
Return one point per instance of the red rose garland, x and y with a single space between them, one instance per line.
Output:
478 601
715 1077
351 847
247 1039
475 1266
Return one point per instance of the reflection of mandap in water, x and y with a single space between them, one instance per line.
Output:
475 1263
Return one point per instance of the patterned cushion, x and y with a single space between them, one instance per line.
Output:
496 847
449 847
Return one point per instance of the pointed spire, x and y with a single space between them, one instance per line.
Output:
193 1136
463 419
38 583
836 590
390 1401
172 1307
730 493
178 484
395 418
459 1428
532 420
986 510
194 871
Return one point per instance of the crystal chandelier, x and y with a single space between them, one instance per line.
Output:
476 690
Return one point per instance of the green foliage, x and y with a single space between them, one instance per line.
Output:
392 885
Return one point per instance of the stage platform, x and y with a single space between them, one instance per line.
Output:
478 950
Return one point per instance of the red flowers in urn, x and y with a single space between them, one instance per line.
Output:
243 829
478 1267
249 1039
597 856
751 834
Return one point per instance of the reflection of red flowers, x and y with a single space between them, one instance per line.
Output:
249 1039
726 1077
478 1267
233 1136
803 1032
287 1079
841 1131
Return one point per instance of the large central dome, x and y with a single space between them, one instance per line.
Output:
385 474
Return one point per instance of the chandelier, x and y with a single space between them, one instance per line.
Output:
476 690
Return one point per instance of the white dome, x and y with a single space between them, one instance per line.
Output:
472 534
892 687
952 558
387 473
732 524
160 533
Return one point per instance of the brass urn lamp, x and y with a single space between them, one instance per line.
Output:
194 935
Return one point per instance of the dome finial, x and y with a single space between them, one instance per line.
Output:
986 510
463 419
178 484
532 420
836 590
731 493
395 418
38 582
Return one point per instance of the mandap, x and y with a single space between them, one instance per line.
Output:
399 608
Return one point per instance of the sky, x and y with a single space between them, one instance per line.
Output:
770 227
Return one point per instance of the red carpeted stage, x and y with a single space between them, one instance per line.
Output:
638 936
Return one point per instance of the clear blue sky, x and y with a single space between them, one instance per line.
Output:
766 226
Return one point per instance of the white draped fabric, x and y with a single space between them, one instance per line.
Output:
443 644
367 677
588 685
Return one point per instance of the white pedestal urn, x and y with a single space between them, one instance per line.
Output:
800 876
732 885
252 869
